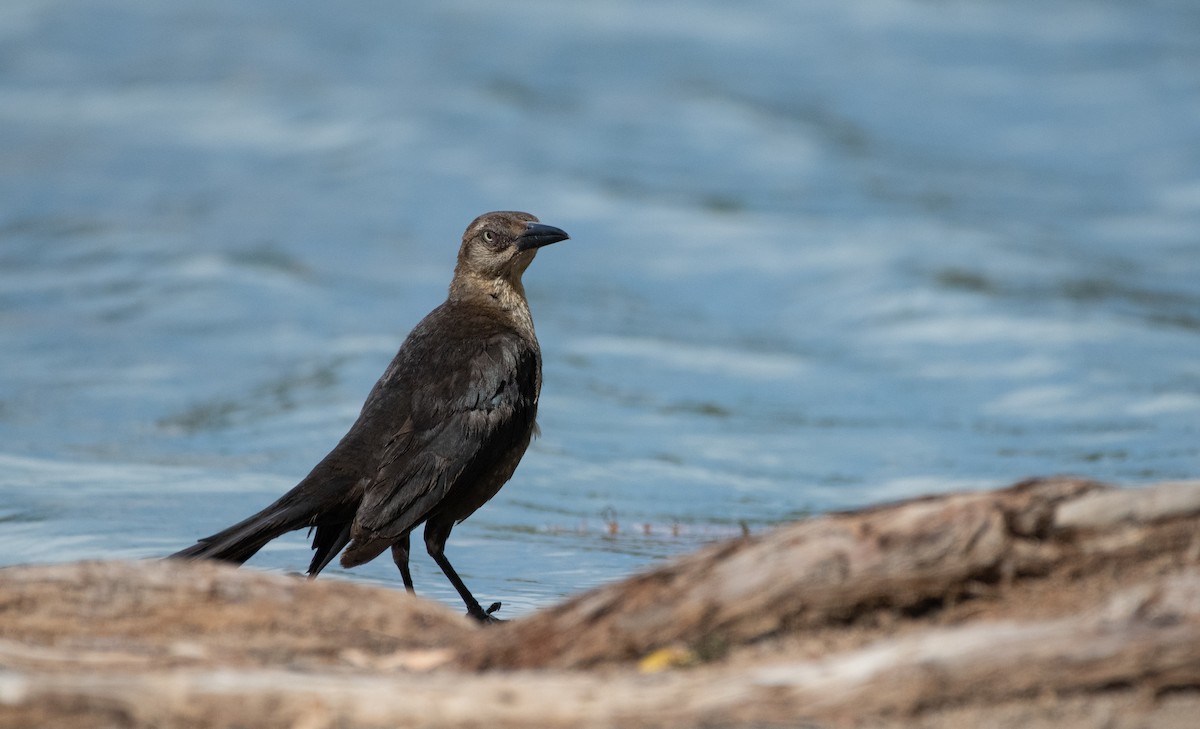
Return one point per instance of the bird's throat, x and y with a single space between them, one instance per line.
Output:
504 294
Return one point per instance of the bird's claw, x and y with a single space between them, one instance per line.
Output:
486 616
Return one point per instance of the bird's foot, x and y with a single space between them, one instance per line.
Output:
485 616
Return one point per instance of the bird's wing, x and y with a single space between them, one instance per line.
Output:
476 405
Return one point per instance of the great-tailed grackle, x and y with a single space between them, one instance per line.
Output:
440 432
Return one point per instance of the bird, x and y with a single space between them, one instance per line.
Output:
439 434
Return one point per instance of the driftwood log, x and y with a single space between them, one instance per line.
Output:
1053 603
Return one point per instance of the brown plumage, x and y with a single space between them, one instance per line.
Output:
442 430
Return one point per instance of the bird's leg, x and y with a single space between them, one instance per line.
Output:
435 543
400 557
473 608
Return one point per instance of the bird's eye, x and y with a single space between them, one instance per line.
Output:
488 236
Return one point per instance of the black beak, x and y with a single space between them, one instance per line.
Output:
537 235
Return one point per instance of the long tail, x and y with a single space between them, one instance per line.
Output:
326 499
241 541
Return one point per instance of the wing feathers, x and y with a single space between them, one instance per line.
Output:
462 428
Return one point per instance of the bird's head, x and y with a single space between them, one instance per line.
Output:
502 245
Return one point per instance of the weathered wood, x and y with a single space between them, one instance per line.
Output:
1053 603
1106 509
805 574
172 612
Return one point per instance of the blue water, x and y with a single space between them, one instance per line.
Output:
823 254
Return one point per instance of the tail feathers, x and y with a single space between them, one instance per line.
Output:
327 542
241 541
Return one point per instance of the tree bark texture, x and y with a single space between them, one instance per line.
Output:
1055 602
